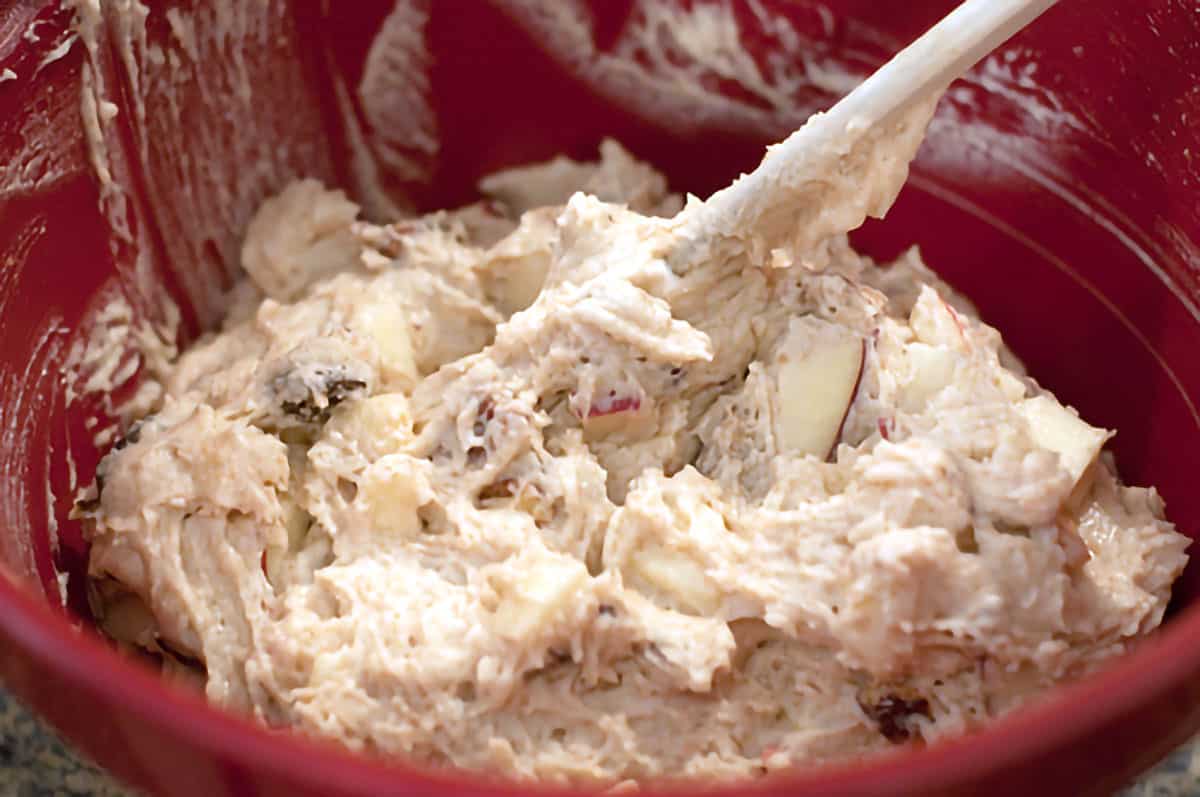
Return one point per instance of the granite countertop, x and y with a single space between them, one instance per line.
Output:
34 762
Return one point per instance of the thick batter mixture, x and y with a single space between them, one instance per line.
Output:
505 488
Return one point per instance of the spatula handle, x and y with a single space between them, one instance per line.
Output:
918 72
936 59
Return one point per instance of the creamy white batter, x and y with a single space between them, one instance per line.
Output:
507 488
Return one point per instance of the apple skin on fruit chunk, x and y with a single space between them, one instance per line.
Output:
622 411
819 366
936 323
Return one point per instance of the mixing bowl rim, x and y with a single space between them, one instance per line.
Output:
51 639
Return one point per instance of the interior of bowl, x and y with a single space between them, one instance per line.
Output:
1055 187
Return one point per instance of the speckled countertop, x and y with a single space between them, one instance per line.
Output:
35 763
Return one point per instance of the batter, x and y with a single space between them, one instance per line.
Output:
506 488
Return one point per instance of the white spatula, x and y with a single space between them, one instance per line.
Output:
849 162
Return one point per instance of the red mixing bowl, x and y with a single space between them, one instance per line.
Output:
1059 188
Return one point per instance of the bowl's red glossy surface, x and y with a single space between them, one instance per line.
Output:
1058 188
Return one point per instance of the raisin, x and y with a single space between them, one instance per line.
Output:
133 435
309 394
894 715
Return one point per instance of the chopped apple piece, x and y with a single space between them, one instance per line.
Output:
527 608
626 414
387 326
520 281
819 368
390 492
936 323
1010 385
931 368
518 264
1060 430
378 425
678 577
296 521
613 404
